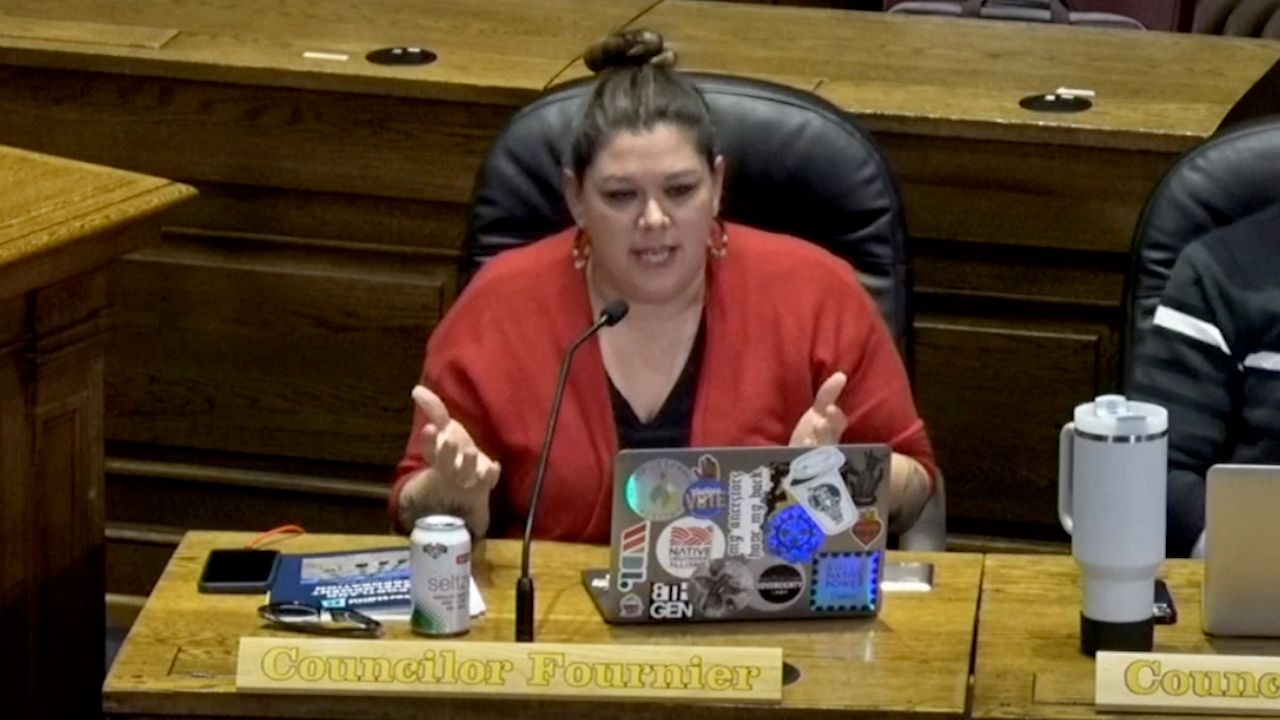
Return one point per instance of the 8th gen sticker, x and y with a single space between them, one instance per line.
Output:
655 491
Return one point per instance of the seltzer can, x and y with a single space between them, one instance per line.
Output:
440 576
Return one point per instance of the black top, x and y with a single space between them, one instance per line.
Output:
673 425
1214 366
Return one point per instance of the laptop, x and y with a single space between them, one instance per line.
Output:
716 534
1241 594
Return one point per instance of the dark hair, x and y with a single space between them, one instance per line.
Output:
638 87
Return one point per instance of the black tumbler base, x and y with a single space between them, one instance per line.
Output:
1097 635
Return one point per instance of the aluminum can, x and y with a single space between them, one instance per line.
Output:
440 576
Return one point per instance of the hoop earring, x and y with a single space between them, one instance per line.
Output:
581 249
718 242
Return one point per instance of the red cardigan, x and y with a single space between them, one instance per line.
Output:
782 315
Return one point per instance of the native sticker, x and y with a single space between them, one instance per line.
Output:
705 499
687 544
748 494
670 601
631 606
721 588
845 582
655 491
793 535
633 556
778 586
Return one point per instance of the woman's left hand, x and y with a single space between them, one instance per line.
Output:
824 422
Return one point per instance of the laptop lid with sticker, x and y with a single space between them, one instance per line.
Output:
747 533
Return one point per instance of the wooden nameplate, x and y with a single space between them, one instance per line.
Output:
1177 683
428 667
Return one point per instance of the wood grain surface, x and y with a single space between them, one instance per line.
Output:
61 222
498 51
180 656
934 76
1028 662
49 206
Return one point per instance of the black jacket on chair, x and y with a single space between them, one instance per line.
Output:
1204 326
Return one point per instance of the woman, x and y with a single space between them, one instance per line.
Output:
734 336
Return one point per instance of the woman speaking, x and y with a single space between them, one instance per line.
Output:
734 337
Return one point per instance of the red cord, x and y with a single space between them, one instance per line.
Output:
282 530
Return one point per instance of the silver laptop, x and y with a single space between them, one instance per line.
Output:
1241 594
745 533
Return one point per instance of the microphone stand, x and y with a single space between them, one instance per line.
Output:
611 315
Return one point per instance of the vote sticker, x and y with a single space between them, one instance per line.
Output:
793 535
655 491
705 499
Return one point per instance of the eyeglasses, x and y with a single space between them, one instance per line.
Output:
322 621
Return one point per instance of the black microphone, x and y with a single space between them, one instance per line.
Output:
611 315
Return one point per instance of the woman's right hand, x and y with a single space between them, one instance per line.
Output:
448 448
458 477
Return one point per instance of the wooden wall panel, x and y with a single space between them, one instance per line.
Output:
294 349
215 500
51 513
1026 194
943 270
1019 381
136 556
17 589
429 227
273 137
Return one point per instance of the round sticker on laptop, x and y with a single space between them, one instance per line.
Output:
688 544
655 491
778 585
793 535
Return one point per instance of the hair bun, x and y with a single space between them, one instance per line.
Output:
629 48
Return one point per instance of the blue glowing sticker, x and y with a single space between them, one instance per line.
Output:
705 499
844 582
655 491
793 535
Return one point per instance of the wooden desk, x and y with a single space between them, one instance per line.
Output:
179 659
266 347
1028 662
61 222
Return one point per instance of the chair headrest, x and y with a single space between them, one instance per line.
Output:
1229 177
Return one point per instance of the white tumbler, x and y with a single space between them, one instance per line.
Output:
1112 465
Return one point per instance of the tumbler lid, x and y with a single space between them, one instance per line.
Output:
1116 415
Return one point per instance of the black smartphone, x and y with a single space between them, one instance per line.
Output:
1164 611
239 571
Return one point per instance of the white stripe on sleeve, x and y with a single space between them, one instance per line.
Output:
1194 328
1263 360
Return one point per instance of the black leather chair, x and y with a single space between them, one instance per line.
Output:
1229 177
795 164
